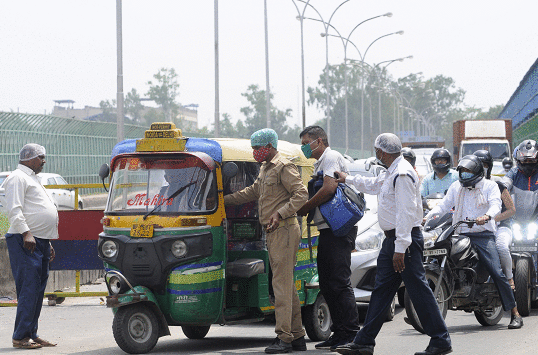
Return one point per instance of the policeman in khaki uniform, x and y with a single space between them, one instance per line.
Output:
280 193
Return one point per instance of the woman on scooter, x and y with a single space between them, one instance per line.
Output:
503 235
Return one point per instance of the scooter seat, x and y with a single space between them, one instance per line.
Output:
245 268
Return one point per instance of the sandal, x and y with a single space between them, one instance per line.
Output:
44 343
26 344
512 284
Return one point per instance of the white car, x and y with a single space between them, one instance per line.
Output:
62 198
368 241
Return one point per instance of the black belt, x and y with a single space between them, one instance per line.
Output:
392 233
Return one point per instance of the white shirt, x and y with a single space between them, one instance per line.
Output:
29 206
329 162
485 198
399 201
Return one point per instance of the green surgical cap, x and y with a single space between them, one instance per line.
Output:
264 137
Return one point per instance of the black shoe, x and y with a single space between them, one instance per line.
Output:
279 347
432 350
516 322
355 349
343 341
299 344
333 340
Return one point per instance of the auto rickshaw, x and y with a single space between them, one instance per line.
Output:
174 255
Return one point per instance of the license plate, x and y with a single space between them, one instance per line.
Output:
525 248
142 231
432 252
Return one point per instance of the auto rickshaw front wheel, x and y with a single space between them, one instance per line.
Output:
135 329
317 320
195 332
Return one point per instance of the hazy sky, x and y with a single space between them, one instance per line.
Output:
51 50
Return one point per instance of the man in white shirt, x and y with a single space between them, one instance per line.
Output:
474 197
334 253
400 215
33 220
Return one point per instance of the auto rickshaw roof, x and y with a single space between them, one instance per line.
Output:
225 149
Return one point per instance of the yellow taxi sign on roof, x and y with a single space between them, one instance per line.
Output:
162 136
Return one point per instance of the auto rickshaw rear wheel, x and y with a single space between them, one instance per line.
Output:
317 320
135 329
195 332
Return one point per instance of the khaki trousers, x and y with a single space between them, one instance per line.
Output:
283 244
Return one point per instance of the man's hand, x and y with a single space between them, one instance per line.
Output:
482 220
273 222
302 212
341 176
52 254
398 262
28 241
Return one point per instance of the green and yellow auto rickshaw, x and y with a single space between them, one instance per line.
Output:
174 255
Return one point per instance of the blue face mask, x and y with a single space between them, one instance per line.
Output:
466 175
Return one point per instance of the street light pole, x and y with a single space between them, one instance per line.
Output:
326 26
216 25
267 87
119 95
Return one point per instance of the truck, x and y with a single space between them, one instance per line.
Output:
493 135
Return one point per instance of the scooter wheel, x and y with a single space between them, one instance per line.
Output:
135 329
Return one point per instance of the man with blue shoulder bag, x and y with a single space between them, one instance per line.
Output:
334 252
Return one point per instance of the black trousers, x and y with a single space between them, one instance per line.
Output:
334 270
387 282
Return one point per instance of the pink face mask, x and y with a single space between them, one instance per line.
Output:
261 154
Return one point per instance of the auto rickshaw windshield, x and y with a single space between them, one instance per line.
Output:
141 184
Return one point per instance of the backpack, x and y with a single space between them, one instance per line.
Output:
343 210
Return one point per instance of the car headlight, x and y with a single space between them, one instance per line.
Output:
179 249
516 230
370 239
115 285
109 249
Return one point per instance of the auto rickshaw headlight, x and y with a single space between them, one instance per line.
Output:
179 249
109 249
115 285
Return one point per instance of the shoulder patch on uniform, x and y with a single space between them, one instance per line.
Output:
396 177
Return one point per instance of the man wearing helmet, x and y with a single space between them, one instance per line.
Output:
503 235
474 197
525 175
410 156
508 164
442 176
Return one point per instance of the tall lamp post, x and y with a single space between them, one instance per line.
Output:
326 26
345 42
267 87
119 95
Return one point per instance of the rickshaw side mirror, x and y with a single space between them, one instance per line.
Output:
229 169
104 171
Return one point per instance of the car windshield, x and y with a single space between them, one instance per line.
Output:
497 150
2 178
423 165
140 185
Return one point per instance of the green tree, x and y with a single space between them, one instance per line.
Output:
256 117
109 110
164 91
133 106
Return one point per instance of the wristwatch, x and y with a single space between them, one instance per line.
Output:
489 217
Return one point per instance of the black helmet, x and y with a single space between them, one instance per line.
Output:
485 158
474 164
409 155
441 153
527 157
508 163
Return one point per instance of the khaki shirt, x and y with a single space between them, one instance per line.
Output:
279 187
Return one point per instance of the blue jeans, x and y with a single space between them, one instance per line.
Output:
387 282
484 244
31 272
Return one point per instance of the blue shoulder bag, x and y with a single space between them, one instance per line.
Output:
343 210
